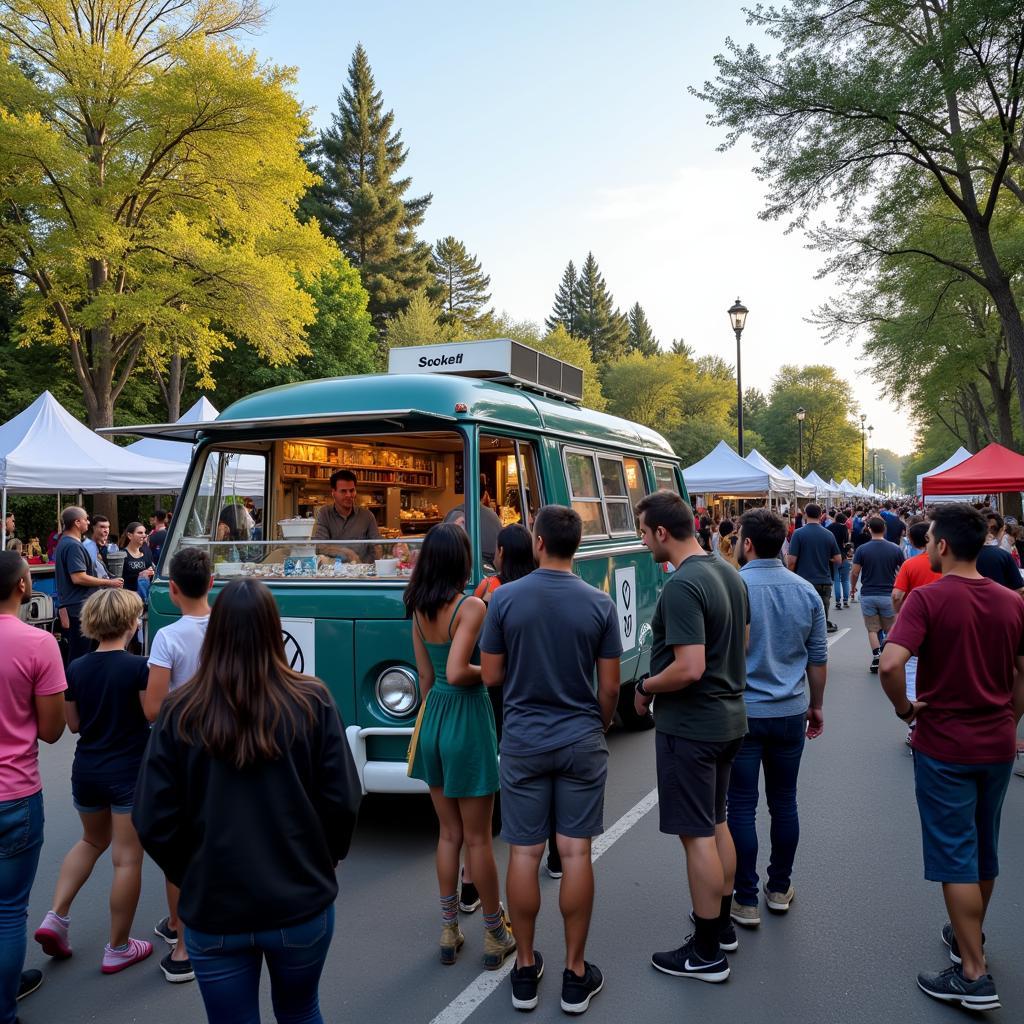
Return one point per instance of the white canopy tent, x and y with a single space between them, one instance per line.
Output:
822 489
960 455
803 488
780 483
723 471
45 450
245 473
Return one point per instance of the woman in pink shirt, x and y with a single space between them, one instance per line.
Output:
31 708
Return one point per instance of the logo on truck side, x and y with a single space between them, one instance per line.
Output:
455 360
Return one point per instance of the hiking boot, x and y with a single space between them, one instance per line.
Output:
779 902
748 917
52 935
177 971
949 938
166 932
30 981
498 944
451 942
685 963
726 935
951 986
115 960
469 898
578 990
524 983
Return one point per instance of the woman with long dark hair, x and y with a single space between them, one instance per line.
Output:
513 558
455 748
247 800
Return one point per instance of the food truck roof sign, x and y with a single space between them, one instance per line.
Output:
500 359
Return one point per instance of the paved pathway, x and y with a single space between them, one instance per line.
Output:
863 923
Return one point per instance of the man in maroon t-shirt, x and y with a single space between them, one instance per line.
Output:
968 635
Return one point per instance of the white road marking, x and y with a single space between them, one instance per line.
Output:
837 636
488 981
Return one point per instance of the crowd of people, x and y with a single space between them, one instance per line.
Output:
179 753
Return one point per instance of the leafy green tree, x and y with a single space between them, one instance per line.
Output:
341 340
362 201
831 440
680 348
417 324
876 105
646 389
149 173
598 322
462 284
564 311
641 338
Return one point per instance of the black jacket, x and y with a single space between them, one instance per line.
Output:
254 848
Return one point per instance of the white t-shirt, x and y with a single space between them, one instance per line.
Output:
177 647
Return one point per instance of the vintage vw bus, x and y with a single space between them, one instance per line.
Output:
448 427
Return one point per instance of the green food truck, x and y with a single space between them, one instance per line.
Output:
474 430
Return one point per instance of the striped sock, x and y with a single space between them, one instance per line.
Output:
450 908
496 921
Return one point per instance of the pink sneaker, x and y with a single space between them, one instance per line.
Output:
52 935
115 960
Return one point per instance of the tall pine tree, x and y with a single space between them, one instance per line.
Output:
641 337
461 283
564 310
362 202
597 320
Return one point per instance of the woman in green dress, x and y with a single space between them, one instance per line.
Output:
455 750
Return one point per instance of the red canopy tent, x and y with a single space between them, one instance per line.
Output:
994 470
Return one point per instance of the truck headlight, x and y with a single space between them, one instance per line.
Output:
398 693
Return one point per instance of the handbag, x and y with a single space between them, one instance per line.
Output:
414 740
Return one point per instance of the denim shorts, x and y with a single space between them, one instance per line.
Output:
568 781
960 806
90 796
877 610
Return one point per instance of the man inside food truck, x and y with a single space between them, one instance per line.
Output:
343 519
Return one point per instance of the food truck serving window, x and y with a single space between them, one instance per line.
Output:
600 492
342 507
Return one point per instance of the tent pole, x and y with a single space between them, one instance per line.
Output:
3 516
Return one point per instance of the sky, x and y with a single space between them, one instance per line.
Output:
547 130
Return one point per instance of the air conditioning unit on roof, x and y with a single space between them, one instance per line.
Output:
499 359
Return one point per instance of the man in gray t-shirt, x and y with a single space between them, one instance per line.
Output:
544 637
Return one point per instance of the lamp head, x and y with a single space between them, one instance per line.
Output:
801 413
863 417
738 316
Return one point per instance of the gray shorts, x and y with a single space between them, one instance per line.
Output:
563 786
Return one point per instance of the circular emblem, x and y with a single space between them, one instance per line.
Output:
293 652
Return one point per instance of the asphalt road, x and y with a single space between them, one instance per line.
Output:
863 923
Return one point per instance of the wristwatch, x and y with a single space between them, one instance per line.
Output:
641 690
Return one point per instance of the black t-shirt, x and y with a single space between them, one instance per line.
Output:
155 543
998 564
105 688
879 562
133 566
841 532
72 557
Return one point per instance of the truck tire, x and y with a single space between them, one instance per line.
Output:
631 721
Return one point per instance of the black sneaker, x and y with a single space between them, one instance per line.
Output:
831 627
952 987
176 971
685 963
524 983
166 932
469 898
554 863
30 981
874 663
577 991
949 938
727 937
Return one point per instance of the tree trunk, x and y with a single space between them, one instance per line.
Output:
174 388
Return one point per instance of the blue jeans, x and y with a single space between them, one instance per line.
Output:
776 743
841 583
228 971
21 839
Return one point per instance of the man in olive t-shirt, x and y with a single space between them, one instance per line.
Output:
698 674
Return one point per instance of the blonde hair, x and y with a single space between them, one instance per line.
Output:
109 613
727 550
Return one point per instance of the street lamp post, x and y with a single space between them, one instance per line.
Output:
863 417
871 430
738 319
800 414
